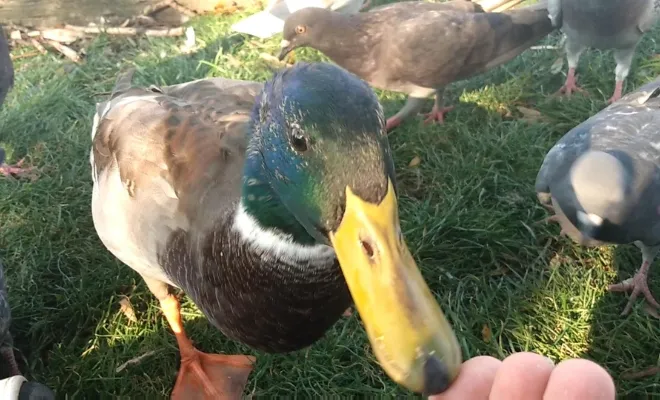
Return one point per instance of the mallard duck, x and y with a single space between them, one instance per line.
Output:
273 207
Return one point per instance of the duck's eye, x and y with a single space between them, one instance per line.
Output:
298 141
300 29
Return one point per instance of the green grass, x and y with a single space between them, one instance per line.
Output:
468 212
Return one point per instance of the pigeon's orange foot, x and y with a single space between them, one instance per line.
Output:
639 285
437 114
211 376
571 85
392 122
16 170
618 91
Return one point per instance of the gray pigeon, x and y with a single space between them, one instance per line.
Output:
602 179
15 386
6 83
415 47
603 24
6 341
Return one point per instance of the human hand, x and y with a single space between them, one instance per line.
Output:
529 376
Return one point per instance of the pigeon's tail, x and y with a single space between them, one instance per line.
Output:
517 30
123 83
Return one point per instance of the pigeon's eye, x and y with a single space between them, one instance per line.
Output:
298 141
300 29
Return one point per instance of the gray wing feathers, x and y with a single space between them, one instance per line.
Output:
554 12
650 16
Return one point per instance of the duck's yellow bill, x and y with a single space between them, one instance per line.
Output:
410 335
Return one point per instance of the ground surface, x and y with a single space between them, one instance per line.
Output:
468 209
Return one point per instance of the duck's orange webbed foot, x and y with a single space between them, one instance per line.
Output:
201 375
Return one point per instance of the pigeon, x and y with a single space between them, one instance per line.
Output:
602 24
6 83
415 47
602 180
6 340
270 21
15 386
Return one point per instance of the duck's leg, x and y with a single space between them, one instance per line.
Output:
438 112
639 283
201 375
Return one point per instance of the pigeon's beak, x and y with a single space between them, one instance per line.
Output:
285 48
409 334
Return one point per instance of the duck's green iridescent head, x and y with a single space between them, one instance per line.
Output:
316 129
319 168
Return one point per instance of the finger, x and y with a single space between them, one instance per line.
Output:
579 379
474 381
521 376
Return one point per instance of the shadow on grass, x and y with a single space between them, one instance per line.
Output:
628 345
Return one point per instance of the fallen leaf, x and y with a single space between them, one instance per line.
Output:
189 44
557 65
486 333
641 374
529 114
127 309
272 60
652 311
501 270
414 162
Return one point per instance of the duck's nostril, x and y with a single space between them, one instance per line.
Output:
436 376
367 248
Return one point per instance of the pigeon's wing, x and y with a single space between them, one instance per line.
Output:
435 48
410 8
650 16
630 124
554 12
6 69
560 158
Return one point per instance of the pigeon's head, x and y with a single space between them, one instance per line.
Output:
602 196
305 27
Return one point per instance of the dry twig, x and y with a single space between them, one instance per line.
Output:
38 46
128 31
67 51
135 360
